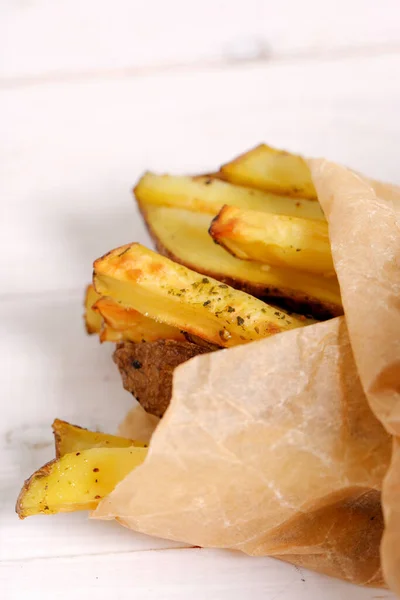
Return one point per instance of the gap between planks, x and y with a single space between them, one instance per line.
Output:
94 554
38 296
265 56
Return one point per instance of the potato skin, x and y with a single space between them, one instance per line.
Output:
147 368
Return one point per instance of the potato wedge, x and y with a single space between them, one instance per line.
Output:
208 195
274 239
141 279
77 481
72 438
147 369
271 170
183 236
124 324
93 320
108 334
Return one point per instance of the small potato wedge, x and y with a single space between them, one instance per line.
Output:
72 438
274 239
271 170
77 481
108 334
124 324
208 195
162 289
147 369
183 236
93 320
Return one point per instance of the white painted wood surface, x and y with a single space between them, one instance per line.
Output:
91 94
41 38
70 152
178 574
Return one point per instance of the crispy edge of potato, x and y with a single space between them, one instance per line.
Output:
208 195
269 169
108 334
73 438
278 240
93 321
148 282
127 324
290 299
94 473
147 369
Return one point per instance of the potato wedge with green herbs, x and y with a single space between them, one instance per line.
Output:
72 438
162 289
208 195
276 240
125 324
183 236
77 481
271 170
93 320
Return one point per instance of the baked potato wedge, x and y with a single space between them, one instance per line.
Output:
208 195
183 236
271 170
147 368
72 438
77 481
162 289
108 334
276 240
93 320
126 324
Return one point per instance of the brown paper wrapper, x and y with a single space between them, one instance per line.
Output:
138 424
272 448
364 229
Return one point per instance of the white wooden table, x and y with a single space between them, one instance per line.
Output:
91 94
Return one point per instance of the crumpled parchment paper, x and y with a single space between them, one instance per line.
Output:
364 229
138 424
272 448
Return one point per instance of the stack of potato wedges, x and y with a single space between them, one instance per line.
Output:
235 249
243 254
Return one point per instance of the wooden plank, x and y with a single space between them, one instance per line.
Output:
172 574
70 153
41 37
69 535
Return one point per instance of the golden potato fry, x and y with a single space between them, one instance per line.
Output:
77 481
72 438
183 236
208 195
93 320
274 239
141 279
266 168
126 324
